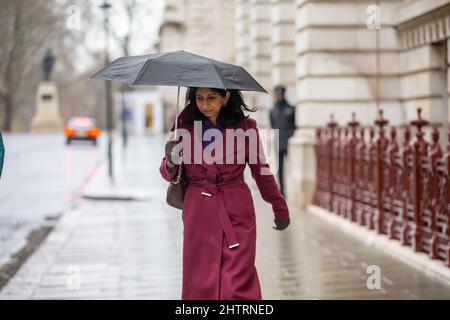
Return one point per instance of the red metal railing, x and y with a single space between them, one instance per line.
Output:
398 189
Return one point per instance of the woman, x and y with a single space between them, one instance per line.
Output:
218 213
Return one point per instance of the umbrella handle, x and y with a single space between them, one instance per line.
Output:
176 117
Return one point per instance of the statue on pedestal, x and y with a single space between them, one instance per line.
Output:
47 117
47 64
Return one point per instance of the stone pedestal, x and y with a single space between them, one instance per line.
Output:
47 117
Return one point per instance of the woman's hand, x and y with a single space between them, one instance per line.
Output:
174 152
281 224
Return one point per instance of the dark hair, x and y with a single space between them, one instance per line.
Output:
231 114
280 90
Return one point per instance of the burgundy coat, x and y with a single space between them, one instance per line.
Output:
218 215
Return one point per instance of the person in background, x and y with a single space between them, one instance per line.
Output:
282 117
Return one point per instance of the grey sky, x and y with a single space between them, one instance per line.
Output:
145 28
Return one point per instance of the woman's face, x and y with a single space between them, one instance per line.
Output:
210 102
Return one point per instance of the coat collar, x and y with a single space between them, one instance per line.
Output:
212 168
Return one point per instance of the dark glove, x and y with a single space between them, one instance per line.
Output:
174 152
281 224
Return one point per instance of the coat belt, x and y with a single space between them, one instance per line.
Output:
216 189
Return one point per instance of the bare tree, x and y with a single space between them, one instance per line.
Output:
131 9
27 28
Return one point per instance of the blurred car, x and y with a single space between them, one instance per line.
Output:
81 128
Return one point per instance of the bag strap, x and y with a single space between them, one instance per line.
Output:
176 180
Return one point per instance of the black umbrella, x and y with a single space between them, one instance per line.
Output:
181 69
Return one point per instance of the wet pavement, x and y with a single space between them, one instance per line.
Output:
132 250
41 179
314 260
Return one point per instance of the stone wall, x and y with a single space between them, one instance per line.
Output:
332 60
205 27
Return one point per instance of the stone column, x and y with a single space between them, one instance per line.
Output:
424 85
243 34
448 82
260 55
283 73
172 35
446 126
228 14
283 46
242 30
210 28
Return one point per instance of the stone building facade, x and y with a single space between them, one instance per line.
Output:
340 56
205 27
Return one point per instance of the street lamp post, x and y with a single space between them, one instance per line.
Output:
109 116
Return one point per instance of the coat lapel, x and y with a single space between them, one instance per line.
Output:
227 153
209 167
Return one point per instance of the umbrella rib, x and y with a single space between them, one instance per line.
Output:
218 75
102 69
142 72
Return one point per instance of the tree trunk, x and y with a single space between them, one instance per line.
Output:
7 102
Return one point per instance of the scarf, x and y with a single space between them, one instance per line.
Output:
207 124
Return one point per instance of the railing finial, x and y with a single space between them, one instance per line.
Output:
419 123
381 121
354 123
332 124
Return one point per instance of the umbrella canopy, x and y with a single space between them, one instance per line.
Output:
181 69
178 68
